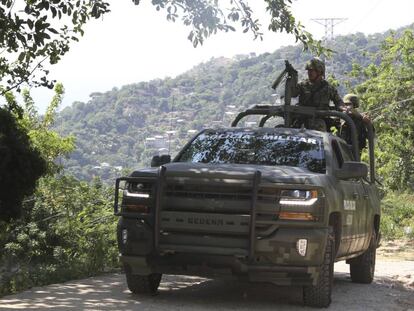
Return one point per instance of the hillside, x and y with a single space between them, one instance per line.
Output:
122 128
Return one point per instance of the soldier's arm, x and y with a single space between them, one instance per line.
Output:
365 117
296 87
357 114
336 99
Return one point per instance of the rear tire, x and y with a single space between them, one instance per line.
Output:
362 268
319 295
142 284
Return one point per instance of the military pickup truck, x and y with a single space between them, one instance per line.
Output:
266 204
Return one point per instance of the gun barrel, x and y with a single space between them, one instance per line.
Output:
278 79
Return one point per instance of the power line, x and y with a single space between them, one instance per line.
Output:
395 103
383 105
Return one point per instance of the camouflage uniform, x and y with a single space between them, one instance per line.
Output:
316 94
352 99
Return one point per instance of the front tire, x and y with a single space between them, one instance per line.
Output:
319 295
362 268
142 284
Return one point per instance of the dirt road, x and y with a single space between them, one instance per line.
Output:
393 289
390 291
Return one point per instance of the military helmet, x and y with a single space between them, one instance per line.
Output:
351 99
316 64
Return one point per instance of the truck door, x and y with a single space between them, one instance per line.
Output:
350 196
356 205
369 211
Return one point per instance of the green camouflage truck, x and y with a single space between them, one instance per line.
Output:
266 204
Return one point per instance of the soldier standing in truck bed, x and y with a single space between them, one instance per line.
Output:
316 91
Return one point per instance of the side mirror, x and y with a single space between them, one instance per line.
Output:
352 170
157 160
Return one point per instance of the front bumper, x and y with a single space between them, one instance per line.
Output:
213 266
275 259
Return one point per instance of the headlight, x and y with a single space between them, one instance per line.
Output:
296 197
138 190
297 204
136 197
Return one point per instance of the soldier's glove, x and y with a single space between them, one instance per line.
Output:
289 68
289 71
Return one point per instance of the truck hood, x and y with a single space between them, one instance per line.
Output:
272 174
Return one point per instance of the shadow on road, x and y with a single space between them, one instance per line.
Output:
195 293
384 294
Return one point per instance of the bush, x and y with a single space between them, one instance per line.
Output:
21 166
67 231
397 220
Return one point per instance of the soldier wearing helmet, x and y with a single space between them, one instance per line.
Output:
316 91
351 103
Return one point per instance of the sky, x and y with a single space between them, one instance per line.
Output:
135 43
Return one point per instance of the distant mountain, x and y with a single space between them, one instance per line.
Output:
121 129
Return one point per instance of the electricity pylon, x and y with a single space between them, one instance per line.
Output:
329 24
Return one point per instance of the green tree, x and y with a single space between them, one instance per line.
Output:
50 144
35 31
207 17
387 96
28 149
21 165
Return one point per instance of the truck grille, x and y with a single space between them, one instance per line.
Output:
218 199
213 216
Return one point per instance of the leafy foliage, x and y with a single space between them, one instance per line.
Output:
21 165
67 228
398 215
387 95
50 144
29 149
34 31
67 231
207 17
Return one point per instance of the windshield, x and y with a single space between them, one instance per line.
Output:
256 148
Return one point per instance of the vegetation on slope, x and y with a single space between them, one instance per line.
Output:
125 127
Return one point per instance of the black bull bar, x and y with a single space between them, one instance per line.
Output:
154 217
